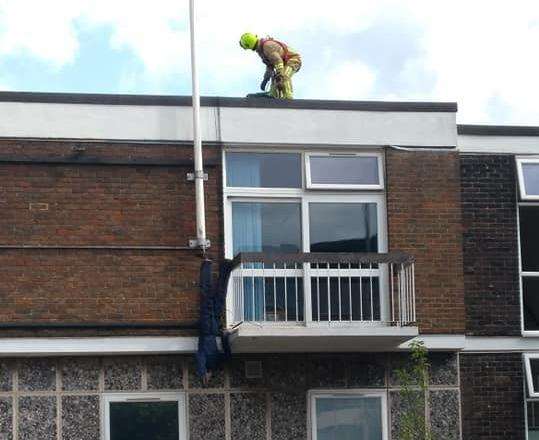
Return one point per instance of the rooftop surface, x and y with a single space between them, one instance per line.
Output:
216 101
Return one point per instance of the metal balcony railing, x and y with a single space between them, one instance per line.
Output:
316 288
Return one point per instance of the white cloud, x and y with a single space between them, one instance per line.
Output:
480 52
483 50
43 29
351 80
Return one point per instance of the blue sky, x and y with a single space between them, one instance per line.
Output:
479 53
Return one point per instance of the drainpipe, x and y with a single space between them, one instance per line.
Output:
198 176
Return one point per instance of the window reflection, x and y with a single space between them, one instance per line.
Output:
144 420
530 287
343 227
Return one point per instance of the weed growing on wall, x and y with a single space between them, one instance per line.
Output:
414 382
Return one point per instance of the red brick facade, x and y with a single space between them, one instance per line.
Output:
139 196
424 219
106 205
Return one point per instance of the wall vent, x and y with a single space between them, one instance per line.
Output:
253 369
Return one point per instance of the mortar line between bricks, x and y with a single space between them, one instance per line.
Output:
58 400
15 401
268 415
430 388
101 384
228 421
460 396
52 393
143 375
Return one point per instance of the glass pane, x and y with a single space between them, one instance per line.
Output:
349 418
266 227
144 420
344 170
529 237
343 227
263 170
530 287
531 178
534 363
533 420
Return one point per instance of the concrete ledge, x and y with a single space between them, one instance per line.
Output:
218 101
267 339
96 346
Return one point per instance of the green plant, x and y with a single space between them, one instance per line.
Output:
414 382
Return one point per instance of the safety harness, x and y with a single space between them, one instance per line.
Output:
260 50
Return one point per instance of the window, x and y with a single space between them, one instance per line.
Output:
263 170
143 416
279 214
528 213
345 171
531 367
266 226
528 178
343 227
531 364
348 415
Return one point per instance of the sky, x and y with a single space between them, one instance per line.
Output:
481 54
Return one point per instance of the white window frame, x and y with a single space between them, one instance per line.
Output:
304 196
337 393
521 183
310 185
108 398
530 395
524 200
529 378
260 190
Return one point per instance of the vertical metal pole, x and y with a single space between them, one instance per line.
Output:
197 138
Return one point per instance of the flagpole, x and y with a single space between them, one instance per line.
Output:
201 240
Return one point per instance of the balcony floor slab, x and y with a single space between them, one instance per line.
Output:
253 338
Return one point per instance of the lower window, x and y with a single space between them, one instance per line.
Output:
348 415
143 416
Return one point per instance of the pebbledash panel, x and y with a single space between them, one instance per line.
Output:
278 397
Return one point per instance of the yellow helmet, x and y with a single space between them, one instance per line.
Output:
248 40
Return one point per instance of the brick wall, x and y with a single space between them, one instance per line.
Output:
492 396
75 204
424 219
490 245
106 205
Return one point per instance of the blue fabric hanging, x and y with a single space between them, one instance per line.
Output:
212 302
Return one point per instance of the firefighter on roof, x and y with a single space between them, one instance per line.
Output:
281 63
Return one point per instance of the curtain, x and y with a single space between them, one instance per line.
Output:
247 237
243 170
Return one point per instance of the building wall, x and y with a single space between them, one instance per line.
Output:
120 204
424 219
489 213
132 203
492 396
41 396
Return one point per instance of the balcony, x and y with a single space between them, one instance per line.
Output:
321 301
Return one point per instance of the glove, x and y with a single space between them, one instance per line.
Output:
279 81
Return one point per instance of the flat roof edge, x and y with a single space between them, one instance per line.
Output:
498 130
216 101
